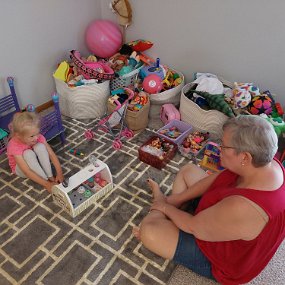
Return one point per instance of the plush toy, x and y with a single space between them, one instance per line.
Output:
260 104
241 95
278 124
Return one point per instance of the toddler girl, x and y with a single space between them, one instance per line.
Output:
29 154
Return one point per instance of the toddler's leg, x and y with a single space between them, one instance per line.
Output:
43 157
31 159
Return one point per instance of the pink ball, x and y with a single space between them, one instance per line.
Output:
103 38
152 84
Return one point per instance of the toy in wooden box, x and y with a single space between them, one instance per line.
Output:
157 151
84 187
175 131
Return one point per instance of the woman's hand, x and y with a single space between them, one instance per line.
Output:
159 206
174 200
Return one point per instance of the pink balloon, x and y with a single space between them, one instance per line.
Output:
103 38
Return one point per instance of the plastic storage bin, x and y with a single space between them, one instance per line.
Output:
182 127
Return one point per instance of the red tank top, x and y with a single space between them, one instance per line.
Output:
239 261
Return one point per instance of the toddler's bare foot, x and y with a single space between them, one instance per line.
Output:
157 194
136 233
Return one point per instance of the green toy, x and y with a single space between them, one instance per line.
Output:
278 124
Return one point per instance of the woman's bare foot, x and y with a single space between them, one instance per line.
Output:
136 233
157 194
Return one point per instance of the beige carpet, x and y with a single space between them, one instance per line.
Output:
273 274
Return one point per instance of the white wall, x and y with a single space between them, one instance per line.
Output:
35 35
240 40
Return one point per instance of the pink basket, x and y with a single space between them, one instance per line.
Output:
182 127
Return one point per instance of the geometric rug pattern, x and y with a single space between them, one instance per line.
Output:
42 244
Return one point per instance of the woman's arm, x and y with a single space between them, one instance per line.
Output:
232 218
54 159
31 174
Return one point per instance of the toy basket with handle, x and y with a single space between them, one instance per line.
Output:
125 80
202 120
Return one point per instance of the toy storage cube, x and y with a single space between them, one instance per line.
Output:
79 195
182 127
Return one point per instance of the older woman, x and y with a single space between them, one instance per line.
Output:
240 219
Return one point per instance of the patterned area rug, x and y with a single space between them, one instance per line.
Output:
42 244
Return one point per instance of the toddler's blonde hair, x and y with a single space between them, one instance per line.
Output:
23 121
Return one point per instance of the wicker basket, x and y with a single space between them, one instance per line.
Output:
169 96
136 120
83 102
153 160
125 80
206 121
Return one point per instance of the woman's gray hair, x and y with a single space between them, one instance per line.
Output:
255 135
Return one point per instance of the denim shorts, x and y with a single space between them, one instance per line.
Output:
188 253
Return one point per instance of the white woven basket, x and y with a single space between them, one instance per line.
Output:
202 120
83 102
169 96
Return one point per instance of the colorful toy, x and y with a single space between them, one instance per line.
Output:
96 70
76 152
103 38
241 95
260 104
277 122
152 84
172 132
211 159
62 71
140 45
194 142
154 69
279 109
30 108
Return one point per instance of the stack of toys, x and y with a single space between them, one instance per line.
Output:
194 143
211 158
157 151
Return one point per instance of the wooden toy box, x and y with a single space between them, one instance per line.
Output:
78 195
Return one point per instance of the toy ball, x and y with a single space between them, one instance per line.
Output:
152 84
30 108
260 104
103 38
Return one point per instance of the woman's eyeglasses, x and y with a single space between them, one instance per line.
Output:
225 147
